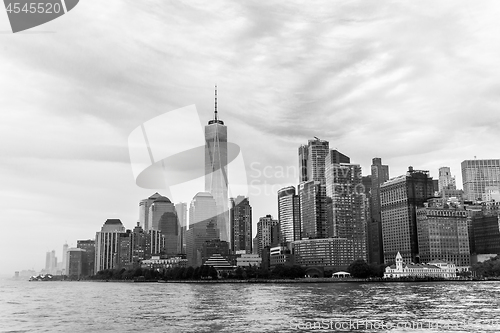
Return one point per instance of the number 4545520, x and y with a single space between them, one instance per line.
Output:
34 7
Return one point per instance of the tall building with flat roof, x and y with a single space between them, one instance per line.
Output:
77 263
400 197
181 209
268 233
485 229
379 175
479 176
348 201
289 214
89 246
313 209
241 224
443 235
303 156
216 178
202 226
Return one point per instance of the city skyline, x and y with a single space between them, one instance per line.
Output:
398 89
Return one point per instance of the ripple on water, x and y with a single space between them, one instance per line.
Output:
128 307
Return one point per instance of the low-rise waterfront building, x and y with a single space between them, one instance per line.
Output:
433 269
156 262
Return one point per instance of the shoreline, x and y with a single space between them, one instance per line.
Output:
289 281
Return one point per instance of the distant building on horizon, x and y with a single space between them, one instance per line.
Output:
51 263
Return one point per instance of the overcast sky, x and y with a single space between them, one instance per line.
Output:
415 83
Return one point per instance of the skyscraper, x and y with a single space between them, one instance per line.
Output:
202 226
241 221
89 247
289 214
51 262
65 259
144 210
379 175
399 198
312 159
345 188
442 235
480 177
107 243
268 233
181 209
303 156
216 179
163 217
313 210
446 180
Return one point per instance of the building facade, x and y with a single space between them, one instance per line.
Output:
443 235
202 226
348 204
313 210
107 243
241 224
181 210
400 197
144 210
329 253
379 175
268 233
89 246
446 180
441 270
479 176
289 214
77 263
312 160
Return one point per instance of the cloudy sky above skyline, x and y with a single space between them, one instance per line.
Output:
413 83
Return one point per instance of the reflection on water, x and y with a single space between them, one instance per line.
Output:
150 307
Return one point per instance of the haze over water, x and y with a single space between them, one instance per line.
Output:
154 307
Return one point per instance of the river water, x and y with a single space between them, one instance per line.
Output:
308 307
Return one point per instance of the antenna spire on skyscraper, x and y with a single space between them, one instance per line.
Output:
216 103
